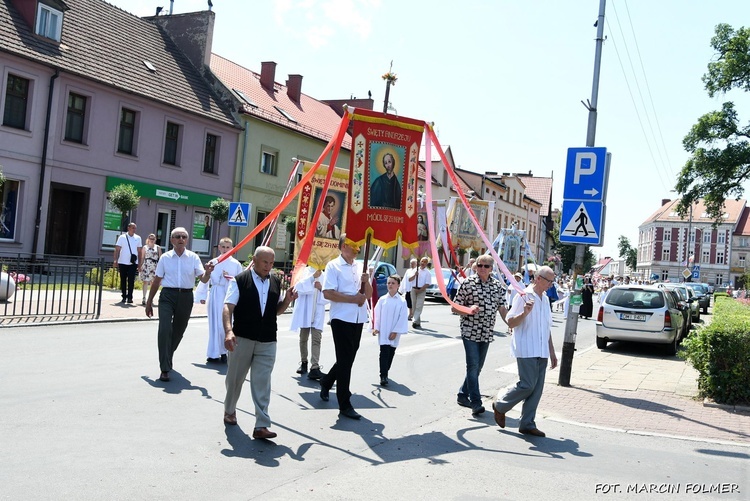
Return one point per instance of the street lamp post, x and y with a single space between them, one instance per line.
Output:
687 238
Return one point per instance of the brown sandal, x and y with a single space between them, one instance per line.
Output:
230 419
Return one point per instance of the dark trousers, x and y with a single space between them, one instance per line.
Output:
174 312
408 300
346 338
386 359
127 279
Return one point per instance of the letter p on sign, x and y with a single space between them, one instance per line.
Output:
585 165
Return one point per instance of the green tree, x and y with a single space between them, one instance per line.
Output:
628 252
219 209
718 143
124 197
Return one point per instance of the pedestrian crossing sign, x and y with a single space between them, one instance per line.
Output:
239 213
581 222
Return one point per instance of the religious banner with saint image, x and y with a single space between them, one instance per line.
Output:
332 218
463 232
383 172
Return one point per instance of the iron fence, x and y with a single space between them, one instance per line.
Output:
51 286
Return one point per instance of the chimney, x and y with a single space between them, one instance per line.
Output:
665 201
267 74
193 34
294 87
490 173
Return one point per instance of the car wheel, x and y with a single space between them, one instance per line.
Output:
601 343
705 310
672 347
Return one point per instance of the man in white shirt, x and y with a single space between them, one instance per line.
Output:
406 284
531 321
176 271
419 283
127 251
345 280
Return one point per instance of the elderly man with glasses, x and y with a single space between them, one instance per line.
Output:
176 272
485 296
531 321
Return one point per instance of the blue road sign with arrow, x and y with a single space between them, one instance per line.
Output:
584 194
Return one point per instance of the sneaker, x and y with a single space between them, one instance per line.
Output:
143 302
302 368
315 374
463 400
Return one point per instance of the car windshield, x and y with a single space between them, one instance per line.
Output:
635 298
696 287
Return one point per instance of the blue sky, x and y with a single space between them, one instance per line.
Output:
503 81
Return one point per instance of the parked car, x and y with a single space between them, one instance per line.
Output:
701 292
686 294
687 314
709 287
383 270
647 314
433 291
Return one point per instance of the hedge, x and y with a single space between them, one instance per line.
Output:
720 352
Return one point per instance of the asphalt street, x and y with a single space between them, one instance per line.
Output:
83 416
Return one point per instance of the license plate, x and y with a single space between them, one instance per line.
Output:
633 316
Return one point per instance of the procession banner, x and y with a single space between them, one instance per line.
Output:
382 198
331 221
464 232
513 241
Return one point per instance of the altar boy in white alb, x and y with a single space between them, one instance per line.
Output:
309 316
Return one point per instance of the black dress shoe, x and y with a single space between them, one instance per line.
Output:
223 358
383 381
350 413
213 360
532 431
324 393
164 376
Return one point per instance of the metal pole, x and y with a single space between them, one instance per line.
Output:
571 325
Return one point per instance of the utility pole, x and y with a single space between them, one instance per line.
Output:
571 324
390 79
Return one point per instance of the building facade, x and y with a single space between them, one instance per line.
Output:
670 246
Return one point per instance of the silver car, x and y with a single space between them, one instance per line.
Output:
644 314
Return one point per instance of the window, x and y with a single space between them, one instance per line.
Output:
209 157
722 238
706 237
126 139
743 242
664 275
742 260
667 235
268 163
692 236
16 102
719 257
171 144
76 118
665 255
259 217
705 256
48 22
8 209
719 279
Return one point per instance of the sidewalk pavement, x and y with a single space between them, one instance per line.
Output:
627 389
624 388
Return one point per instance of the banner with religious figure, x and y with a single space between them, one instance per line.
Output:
332 219
463 231
383 173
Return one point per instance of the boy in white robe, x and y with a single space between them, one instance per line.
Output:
309 316
220 277
391 320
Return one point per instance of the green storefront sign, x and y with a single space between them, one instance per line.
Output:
154 192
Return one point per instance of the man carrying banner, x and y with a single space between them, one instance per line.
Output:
344 281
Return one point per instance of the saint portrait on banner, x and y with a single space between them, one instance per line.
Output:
385 190
329 222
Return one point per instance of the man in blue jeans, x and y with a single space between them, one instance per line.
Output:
484 295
